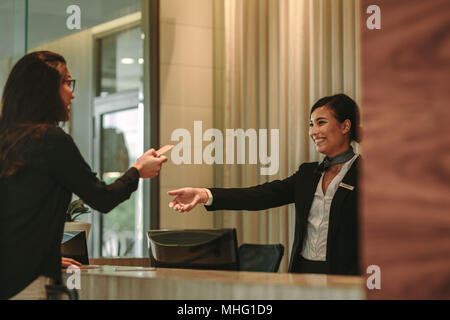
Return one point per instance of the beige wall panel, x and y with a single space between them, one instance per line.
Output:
189 12
186 45
183 117
175 117
187 74
191 86
189 175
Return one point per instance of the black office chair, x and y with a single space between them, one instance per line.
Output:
260 257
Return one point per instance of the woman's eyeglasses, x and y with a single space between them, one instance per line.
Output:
71 84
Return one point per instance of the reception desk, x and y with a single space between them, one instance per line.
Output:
131 282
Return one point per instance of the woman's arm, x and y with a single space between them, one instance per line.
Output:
67 166
265 196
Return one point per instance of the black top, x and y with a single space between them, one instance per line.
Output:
33 203
342 240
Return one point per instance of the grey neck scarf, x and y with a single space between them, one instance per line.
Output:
340 158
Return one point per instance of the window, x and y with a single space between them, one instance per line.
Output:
118 113
107 59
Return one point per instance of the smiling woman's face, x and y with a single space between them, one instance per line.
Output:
330 136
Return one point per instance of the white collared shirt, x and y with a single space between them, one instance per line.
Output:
210 197
315 244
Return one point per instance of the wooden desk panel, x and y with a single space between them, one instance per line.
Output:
406 173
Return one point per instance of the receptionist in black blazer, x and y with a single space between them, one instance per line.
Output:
325 194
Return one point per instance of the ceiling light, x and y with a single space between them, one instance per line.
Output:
127 60
112 175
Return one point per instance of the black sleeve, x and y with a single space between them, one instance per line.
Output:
268 195
67 166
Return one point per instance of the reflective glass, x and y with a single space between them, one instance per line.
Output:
116 24
47 19
120 150
13 36
121 60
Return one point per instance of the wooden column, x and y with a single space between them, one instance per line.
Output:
406 148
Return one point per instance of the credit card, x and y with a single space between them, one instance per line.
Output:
164 149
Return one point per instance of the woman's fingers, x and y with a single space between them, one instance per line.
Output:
149 164
176 192
173 203
151 152
177 206
163 159
73 262
67 262
184 207
185 199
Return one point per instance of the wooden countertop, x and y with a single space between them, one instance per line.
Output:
128 282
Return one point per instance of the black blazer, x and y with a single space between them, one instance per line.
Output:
342 242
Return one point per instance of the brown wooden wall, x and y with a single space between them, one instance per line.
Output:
406 148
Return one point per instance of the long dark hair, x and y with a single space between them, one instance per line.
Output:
31 102
343 108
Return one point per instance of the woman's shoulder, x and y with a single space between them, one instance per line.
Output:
307 166
54 134
306 169
53 130
57 138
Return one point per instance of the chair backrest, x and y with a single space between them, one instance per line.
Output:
260 257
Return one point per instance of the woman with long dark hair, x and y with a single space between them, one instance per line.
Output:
40 168
325 194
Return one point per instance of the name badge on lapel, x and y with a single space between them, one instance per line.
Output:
346 186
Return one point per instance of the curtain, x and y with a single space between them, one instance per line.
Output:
273 60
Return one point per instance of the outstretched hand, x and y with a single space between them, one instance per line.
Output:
187 198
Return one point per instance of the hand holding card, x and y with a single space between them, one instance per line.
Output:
149 164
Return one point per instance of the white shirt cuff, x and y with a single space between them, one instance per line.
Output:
210 197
